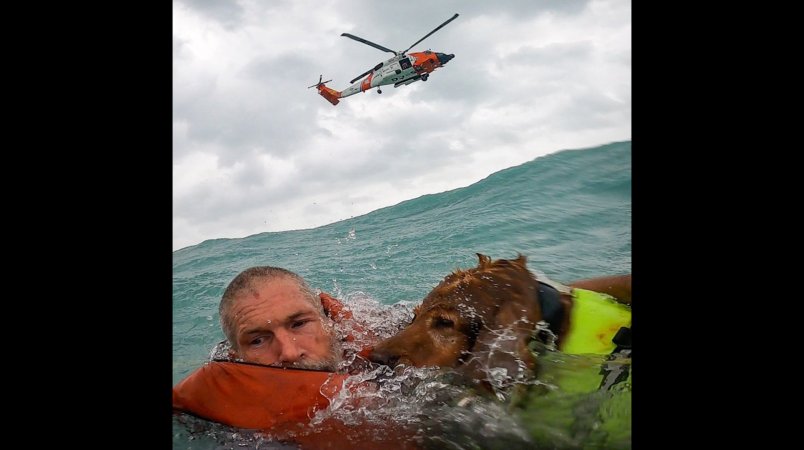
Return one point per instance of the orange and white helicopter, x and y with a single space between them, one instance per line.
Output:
404 68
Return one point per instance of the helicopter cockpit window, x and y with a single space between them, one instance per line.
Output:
404 63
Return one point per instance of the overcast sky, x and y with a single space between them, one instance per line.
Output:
255 150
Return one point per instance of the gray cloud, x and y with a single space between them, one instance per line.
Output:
256 150
227 13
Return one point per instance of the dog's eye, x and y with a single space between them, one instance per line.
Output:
442 322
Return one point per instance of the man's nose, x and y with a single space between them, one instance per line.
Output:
289 352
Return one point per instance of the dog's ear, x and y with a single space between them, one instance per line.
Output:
502 343
483 261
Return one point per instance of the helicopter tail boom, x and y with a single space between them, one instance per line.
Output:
330 94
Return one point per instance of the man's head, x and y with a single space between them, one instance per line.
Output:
270 316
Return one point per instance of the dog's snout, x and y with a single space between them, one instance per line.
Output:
383 356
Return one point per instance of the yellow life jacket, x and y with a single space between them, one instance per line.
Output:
594 320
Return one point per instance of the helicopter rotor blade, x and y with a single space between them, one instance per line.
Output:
320 77
377 46
361 76
319 82
367 72
428 34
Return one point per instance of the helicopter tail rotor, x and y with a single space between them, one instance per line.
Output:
320 83
330 94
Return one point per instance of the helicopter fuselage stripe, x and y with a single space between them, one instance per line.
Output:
366 84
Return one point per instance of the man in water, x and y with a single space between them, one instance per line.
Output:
283 361
270 316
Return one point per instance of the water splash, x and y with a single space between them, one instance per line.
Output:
220 351
544 335
350 236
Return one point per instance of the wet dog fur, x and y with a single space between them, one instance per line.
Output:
475 319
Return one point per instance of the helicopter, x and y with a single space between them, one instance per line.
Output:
402 69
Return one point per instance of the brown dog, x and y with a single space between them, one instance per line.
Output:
484 318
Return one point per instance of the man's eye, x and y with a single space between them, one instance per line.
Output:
300 323
258 341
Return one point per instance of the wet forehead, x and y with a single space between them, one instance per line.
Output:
276 295
462 292
439 302
266 287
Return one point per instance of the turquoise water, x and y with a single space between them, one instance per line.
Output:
568 212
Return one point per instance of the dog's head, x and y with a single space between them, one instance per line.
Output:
475 319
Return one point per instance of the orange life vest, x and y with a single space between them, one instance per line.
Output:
255 396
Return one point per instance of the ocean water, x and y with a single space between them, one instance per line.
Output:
569 212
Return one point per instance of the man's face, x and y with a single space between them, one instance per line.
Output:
275 325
